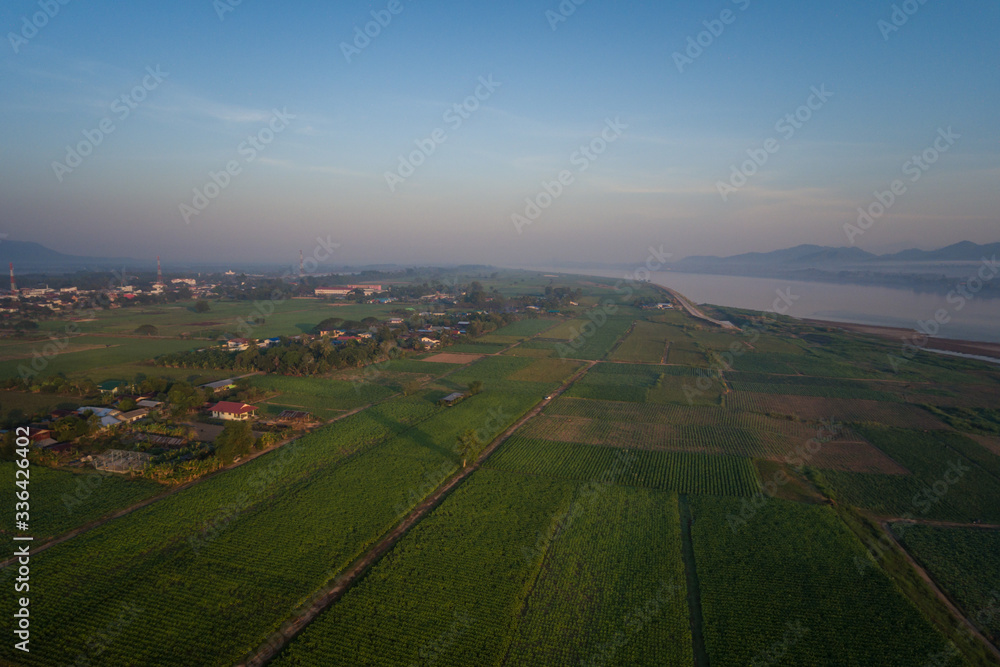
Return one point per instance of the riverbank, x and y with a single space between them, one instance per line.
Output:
976 348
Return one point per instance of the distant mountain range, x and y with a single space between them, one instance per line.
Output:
29 257
827 258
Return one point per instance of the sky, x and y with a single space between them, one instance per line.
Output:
230 130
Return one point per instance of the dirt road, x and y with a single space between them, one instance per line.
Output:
324 598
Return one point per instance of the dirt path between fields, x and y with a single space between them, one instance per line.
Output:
326 597
952 607
697 619
939 524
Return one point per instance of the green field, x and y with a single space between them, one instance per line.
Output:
526 328
528 541
320 396
671 471
785 590
945 483
290 317
645 383
646 343
30 404
966 564
64 500
94 357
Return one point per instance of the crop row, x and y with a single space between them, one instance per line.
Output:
448 593
848 410
62 500
966 563
763 384
518 570
612 588
795 567
647 342
675 471
525 328
945 483
717 439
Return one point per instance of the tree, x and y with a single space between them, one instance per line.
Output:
201 306
475 387
411 387
126 405
147 330
329 324
183 397
468 445
235 441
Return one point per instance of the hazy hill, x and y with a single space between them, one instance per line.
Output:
33 257
829 258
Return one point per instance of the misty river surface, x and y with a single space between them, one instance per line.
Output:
978 319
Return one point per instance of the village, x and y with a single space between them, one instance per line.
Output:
172 430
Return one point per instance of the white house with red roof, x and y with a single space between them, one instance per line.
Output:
231 411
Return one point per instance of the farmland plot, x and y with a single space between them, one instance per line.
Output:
63 500
449 592
494 560
612 588
944 485
672 471
646 343
966 564
847 410
794 566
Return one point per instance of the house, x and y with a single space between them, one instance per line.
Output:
39 436
152 405
233 411
344 290
219 385
452 399
100 412
134 415
238 344
332 333
429 342
111 386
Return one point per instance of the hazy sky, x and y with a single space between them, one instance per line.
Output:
222 69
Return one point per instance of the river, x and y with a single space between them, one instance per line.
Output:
976 319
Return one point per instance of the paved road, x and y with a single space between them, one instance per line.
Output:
694 312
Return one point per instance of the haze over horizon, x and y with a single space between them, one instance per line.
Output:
210 77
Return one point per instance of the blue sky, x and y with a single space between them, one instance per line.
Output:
324 173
